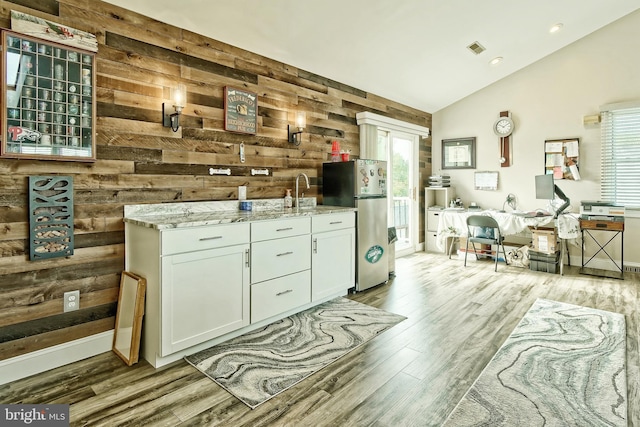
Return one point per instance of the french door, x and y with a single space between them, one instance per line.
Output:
402 177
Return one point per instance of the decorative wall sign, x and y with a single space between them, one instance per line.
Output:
50 217
459 153
240 110
38 27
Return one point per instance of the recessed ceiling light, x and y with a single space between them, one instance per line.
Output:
496 60
555 28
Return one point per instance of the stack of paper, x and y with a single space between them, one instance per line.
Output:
439 181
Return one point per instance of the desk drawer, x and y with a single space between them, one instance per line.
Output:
602 225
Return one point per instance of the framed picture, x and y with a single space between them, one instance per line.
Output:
487 180
459 153
240 110
128 328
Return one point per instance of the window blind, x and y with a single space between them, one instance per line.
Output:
620 160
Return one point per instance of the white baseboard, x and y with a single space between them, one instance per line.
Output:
53 357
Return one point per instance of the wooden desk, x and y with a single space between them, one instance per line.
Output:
617 227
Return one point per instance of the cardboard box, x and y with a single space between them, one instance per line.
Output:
483 251
544 239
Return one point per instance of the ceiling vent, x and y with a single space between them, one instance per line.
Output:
476 48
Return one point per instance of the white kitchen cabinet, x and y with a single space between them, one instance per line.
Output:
197 284
209 283
333 255
205 294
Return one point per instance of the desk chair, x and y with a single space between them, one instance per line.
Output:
493 237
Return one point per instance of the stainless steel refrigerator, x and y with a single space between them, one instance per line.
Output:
362 184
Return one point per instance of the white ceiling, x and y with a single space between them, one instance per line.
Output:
410 51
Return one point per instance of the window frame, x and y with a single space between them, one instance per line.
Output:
620 154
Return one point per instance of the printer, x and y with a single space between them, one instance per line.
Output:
595 210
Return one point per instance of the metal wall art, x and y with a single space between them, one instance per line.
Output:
50 217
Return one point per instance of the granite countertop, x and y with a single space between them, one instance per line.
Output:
186 215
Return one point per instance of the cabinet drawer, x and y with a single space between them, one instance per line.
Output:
207 237
601 225
276 296
329 222
275 258
431 243
266 230
433 217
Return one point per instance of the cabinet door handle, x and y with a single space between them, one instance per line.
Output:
284 292
285 253
247 257
315 246
335 222
285 229
202 239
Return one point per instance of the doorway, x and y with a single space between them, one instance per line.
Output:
402 153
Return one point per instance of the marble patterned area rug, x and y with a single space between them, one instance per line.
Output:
258 365
563 365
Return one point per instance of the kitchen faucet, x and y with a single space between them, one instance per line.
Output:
306 179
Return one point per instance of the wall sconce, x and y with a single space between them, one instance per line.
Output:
301 122
179 96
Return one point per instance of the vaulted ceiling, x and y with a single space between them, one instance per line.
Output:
411 51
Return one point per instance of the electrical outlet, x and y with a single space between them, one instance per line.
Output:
71 301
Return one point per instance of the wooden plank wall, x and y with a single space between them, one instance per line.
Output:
139 161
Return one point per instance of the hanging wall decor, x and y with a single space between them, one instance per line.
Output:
459 153
48 96
240 110
561 158
49 30
50 217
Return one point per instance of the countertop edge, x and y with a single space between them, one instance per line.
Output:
167 222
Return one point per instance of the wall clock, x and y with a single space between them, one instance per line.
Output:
503 127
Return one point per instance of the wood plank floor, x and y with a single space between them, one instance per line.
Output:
412 375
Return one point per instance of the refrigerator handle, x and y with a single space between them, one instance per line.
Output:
315 245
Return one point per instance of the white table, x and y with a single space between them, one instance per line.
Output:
453 223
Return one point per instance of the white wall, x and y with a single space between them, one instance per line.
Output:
548 100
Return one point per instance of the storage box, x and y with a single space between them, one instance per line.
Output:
541 261
544 239
482 250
